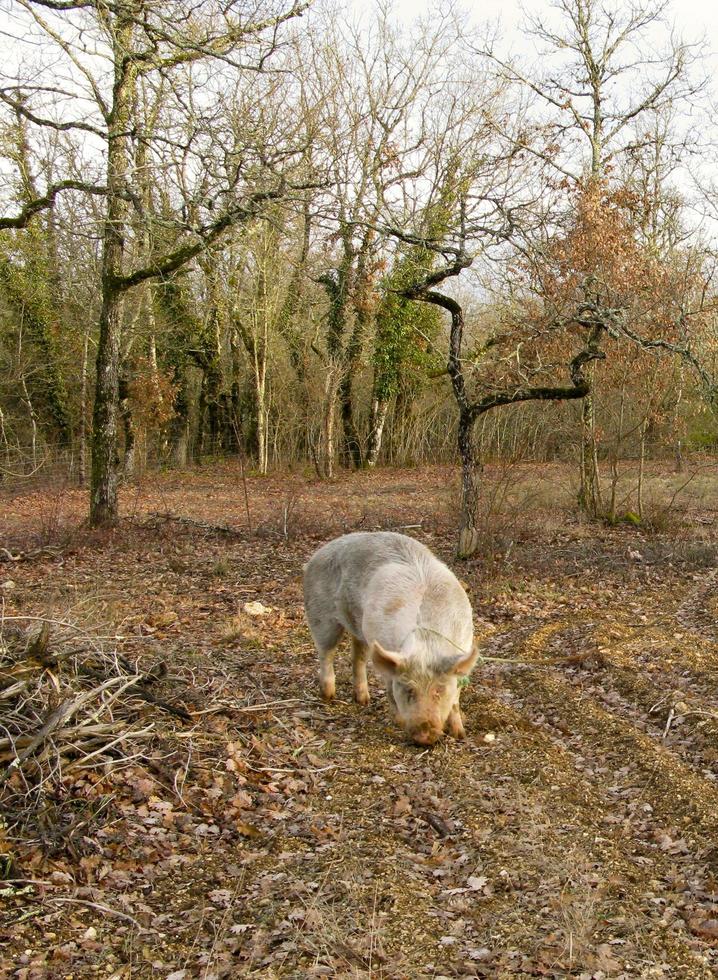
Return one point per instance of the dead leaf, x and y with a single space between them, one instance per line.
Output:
705 928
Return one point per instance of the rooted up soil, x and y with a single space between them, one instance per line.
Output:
573 833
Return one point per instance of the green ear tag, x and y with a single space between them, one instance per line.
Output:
462 681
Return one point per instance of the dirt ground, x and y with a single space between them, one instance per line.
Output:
574 833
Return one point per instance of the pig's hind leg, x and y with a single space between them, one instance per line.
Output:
359 658
326 636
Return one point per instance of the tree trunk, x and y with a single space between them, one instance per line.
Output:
180 423
262 425
33 420
352 450
18 294
641 468
678 448
470 488
82 456
379 412
590 492
128 460
326 455
105 461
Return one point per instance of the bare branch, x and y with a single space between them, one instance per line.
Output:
47 200
18 106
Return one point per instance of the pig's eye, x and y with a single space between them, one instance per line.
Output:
409 694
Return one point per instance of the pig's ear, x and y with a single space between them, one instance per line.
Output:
384 661
465 664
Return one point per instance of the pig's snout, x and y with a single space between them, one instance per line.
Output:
425 734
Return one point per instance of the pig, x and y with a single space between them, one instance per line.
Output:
404 610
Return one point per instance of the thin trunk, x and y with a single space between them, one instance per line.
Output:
33 419
82 464
130 442
379 411
260 393
33 315
161 444
590 492
470 488
678 449
614 457
641 467
4 438
326 449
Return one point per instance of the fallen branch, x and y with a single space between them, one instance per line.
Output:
43 552
192 522
101 908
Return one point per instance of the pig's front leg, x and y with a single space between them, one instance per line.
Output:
359 658
454 724
327 684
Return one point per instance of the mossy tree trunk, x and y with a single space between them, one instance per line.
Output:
105 461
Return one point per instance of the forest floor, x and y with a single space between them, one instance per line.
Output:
574 833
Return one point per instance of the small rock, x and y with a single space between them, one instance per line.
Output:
256 608
476 883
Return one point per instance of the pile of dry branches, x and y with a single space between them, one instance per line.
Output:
68 702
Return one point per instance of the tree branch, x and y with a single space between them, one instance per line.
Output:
47 200
579 388
19 107
164 265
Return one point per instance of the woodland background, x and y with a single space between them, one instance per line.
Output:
226 231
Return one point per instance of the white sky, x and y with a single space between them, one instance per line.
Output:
693 19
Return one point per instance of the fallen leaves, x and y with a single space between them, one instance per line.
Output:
276 834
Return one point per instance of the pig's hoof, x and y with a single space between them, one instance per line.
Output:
456 731
362 698
328 692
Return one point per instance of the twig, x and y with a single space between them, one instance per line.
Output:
669 722
271 704
105 747
102 908
7 555
54 622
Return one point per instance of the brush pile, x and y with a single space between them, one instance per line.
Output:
70 704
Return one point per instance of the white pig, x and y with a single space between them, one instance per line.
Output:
403 608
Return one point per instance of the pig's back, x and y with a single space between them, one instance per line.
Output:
383 585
